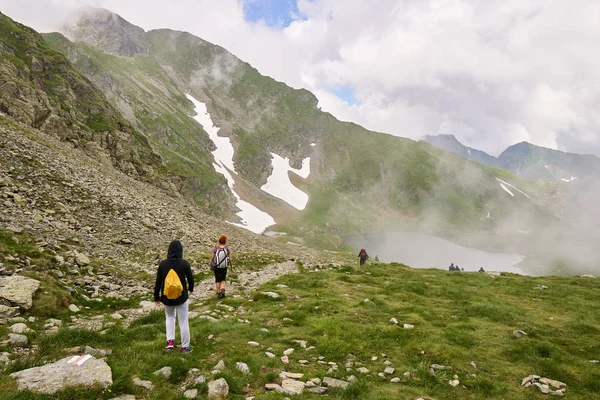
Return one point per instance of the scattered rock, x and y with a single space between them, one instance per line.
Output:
395 380
145 384
363 370
116 316
288 352
545 385
82 260
269 354
273 386
98 353
124 397
335 383
406 375
17 340
473 364
541 287
291 386
56 377
272 295
454 383
389 371
242 367
218 389
255 344
220 366
281 286
285 360
17 291
19 328
408 326
74 308
434 367
164 371
191 394
302 343
393 321
294 375
519 333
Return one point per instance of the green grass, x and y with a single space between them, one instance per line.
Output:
458 318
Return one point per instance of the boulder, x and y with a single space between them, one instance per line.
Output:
56 377
242 367
335 383
292 387
17 340
145 384
17 291
19 328
82 260
164 371
191 394
218 389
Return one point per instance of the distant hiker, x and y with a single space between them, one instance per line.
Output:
451 267
363 256
174 280
377 257
220 260
481 270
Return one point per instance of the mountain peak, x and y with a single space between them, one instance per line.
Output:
106 30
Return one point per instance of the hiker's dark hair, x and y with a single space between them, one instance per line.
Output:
223 239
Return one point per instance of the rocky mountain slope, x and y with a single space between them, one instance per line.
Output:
358 181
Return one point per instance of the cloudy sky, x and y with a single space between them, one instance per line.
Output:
491 72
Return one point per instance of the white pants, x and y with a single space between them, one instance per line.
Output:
182 316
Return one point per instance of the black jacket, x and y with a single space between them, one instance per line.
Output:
182 268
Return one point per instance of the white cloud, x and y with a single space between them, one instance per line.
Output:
492 72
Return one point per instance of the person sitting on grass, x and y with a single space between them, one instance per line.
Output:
174 281
220 260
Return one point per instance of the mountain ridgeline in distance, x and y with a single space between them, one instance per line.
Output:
267 130
527 160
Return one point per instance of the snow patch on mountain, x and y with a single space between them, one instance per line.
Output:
569 180
503 183
280 185
252 218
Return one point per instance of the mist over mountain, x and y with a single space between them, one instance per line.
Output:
223 132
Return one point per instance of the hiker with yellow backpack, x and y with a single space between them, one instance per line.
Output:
172 291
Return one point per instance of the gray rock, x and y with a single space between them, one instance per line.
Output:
4 358
164 371
316 389
272 295
74 308
363 370
273 387
17 340
454 382
191 394
269 354
252 343
408 326
335 383
519 333
56 377
389 371
553 383
395 380
145 384
242 367
291 386
124 397
288 352
7 312
393 321
406 375
285 360
294 375
545 389
19 328
98 353
17 291
218 389
82 260
220 366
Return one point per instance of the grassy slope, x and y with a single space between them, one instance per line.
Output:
360 180
458 318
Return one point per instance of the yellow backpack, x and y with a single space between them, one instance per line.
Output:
173 288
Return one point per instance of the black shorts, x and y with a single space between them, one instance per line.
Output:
220 274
